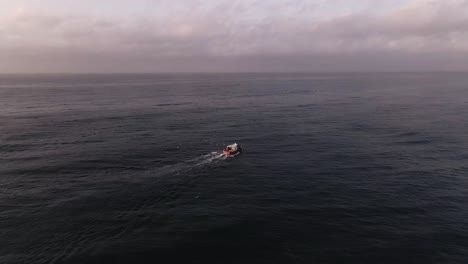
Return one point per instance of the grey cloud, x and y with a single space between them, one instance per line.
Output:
230 37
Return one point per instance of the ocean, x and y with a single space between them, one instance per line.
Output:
336 168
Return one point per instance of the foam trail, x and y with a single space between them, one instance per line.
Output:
192 163
209 158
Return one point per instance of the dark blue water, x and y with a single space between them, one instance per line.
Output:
337 168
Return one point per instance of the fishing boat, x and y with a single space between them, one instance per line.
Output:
232 150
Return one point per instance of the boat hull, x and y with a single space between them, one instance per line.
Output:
233 153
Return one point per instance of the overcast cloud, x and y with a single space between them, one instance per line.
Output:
190 35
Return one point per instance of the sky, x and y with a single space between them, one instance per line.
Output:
42 36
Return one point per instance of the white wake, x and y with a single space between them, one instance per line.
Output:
195 163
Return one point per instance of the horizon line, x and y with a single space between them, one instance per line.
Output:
230 72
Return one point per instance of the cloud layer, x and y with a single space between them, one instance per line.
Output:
237 36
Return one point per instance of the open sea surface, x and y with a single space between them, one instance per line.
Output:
337 168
